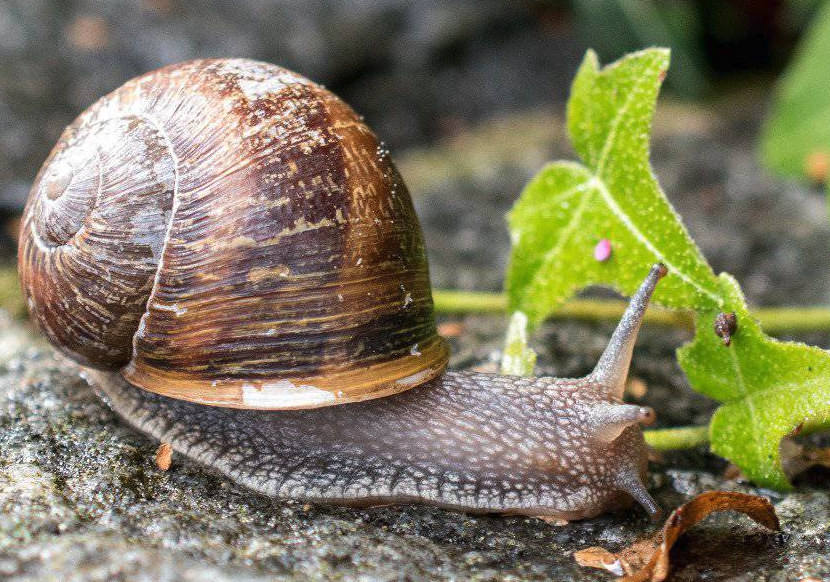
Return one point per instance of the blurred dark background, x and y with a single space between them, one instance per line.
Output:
421 71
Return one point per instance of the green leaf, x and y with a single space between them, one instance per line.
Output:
799 123
568 208
518 359
768 389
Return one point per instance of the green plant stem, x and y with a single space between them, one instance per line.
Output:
669 439
773 320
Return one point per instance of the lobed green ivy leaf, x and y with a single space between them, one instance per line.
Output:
568 208
768 388
798 125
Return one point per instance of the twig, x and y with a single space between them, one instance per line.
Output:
669 439
773 320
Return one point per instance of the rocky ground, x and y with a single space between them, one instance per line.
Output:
81 498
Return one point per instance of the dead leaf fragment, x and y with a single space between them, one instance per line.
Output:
647 560
486 368
88 32
733 473
636 388
451 329
13 228
164 455
596 557
160 6
817 166
555 521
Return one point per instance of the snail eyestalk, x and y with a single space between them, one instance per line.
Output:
612 419
612 368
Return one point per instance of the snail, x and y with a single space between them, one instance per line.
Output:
233 259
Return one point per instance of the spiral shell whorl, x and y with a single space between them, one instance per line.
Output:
93 231
231 233
66 194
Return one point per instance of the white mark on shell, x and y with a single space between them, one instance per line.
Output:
414 379
254 89
284 394
174 307
257 80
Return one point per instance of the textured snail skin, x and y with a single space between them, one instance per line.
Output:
559 448
475 442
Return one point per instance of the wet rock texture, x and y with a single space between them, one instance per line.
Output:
81 498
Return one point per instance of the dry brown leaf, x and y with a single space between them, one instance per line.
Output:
555 521
647 560
486 368
733 473
596 557
636 388
13 228
797 458
164 455
451 329
88 33
817 166
655 456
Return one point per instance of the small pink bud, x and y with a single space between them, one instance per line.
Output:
602 252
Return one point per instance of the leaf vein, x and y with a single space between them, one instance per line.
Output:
629 224
612 132
576 218
739 377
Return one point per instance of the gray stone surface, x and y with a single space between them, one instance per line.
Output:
81 498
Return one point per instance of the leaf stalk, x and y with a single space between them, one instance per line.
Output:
670 439
775 320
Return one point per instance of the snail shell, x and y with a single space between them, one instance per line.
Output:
229 233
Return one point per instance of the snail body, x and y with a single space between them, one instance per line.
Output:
232 257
